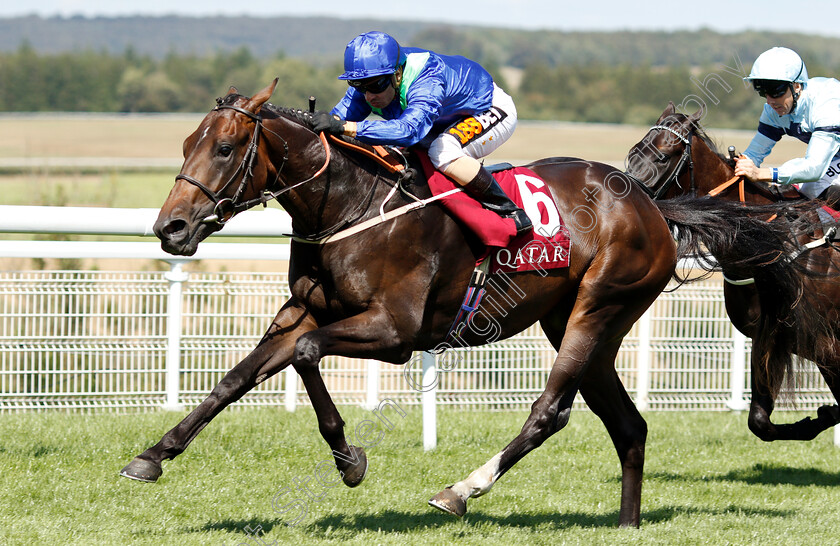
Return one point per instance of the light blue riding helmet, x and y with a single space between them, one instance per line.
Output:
779 64
371 54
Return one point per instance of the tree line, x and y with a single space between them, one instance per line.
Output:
93 81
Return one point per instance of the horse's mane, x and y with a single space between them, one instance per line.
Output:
297 115
702 135
304 118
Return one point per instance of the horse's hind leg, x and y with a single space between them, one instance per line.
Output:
549 414
762 404
584 342
607 398
269 357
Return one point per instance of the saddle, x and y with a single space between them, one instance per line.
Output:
546 247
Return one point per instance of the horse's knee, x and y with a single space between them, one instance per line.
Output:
331 426
629 440
561 419
307 352
636 439
760 425
829 415
543 422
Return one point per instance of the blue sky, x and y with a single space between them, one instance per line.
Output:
814 16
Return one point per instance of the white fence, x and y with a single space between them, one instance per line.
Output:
93 340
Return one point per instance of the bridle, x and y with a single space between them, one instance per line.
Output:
226 208
673 178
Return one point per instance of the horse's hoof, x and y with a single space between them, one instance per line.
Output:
829 413
142 470
448 501
354 475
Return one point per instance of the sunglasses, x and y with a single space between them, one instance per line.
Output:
373 85
773 92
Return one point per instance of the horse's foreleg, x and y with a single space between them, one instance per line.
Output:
369 334
273 354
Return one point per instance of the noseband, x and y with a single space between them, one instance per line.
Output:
673 178
226 208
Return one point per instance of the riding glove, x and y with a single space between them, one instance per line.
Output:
323 121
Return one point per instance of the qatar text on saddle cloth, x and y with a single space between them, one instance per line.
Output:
546 247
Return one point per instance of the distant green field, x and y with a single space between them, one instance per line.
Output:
79 160
79 135
156 138
707 481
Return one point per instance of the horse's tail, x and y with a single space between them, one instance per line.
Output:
743 242
729 234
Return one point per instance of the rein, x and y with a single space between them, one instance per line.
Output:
740 181
672 179
741 192
226 208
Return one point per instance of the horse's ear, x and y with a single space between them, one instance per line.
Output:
260 98
697 116
233 91
669 110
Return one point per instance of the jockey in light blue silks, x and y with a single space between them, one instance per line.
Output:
808 109
448 104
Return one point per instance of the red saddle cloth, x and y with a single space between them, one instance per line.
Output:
828 214
835 215
546 247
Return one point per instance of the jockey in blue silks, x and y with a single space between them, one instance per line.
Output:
808 109
447 104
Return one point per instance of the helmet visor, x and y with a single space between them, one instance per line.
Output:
373 85
771 88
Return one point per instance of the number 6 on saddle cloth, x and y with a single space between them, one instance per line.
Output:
547 246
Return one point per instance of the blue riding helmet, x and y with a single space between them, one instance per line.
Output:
371 54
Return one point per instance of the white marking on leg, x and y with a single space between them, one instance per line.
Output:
480 481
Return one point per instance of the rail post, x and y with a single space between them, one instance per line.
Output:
739 371
174 313
643 363
429 400
290 393
372 385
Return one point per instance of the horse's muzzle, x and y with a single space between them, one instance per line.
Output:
175 236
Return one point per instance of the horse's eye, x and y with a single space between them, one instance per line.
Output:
225 150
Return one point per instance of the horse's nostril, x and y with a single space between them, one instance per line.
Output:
173 227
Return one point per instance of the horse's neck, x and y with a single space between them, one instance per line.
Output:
711 170
712 173
338 195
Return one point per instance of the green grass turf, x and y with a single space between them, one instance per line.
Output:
707 481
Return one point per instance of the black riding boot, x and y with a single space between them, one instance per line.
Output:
488 192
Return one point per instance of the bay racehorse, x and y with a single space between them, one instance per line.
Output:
676 157
395 288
